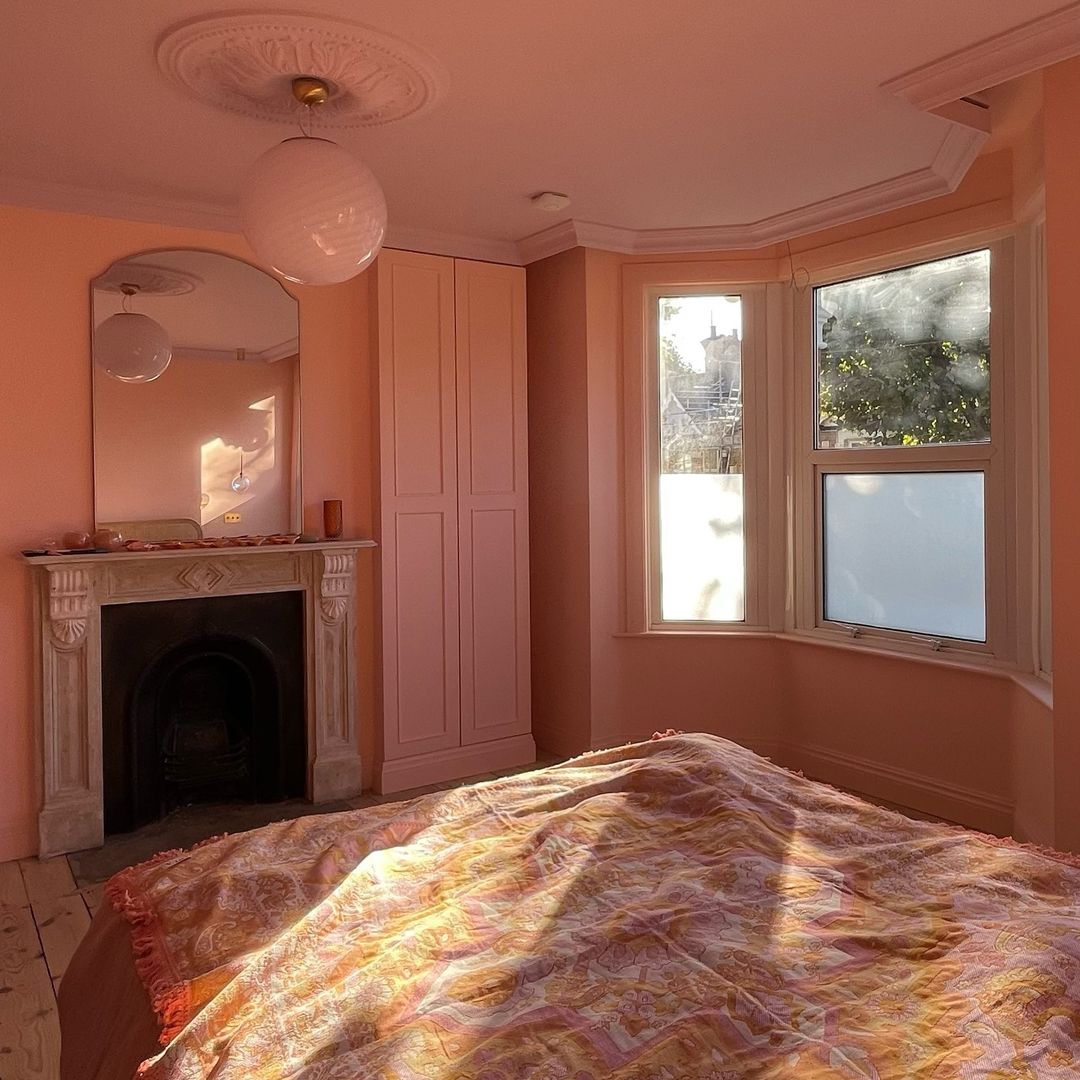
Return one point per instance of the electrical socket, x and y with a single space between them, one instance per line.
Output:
232 518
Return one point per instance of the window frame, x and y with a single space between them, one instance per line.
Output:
995 459
644 286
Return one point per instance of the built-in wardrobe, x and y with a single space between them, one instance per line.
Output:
453 503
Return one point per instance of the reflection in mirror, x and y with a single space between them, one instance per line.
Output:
207 445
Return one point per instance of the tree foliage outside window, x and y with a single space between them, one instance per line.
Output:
904 357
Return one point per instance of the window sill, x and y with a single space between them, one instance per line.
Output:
714 630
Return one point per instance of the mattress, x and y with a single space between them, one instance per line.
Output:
674 909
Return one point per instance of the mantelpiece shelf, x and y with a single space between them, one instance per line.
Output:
198 553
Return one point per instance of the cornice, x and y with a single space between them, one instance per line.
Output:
73 199
1035 44
958 150
551 241
433 242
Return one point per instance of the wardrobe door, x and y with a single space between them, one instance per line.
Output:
418 468
492 501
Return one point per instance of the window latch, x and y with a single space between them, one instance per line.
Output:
853 631
936 644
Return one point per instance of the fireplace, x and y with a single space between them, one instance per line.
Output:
209 692
202 701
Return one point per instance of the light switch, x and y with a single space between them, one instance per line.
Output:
232 518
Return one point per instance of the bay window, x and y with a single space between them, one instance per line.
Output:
837 460
697 532
904 456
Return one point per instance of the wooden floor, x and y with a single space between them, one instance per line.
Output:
43 916
46 907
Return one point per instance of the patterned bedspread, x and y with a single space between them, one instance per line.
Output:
673 910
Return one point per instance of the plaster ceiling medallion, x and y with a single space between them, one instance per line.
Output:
149 280
246 63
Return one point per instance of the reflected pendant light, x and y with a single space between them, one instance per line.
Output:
311 210
130 347
240 483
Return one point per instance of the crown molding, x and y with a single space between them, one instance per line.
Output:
958 150
72 199
432 242
997 59
270 355
551 241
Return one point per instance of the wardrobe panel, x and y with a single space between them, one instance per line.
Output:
492 501
422 376
425 681
419 519
487 402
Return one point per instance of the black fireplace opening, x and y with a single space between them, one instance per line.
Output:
202 701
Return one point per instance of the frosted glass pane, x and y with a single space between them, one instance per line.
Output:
906 551
903 358
702 549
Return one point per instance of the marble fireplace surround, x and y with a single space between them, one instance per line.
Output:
69 593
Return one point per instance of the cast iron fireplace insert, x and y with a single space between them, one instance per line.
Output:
202 701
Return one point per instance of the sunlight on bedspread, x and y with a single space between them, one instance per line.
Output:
668 910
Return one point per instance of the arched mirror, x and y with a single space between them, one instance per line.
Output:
196 398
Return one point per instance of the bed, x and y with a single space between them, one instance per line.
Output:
669 910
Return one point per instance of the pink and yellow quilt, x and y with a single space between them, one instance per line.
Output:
672 910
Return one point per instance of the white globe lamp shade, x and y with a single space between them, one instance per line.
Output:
132 348
313 212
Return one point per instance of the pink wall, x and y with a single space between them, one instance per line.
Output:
1061 105
45 440
559 503
933 736
151 438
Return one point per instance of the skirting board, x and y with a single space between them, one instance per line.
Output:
976 809
443 765
19 839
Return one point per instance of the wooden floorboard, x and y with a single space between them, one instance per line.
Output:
92 896
12 889
47 879
29 1025
61 923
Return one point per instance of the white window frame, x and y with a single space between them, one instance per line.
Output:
996 459
643 286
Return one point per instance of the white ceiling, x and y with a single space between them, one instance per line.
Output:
683 115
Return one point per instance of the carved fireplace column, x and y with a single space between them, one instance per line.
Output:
70 733
335 772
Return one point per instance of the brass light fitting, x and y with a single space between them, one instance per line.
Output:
310 91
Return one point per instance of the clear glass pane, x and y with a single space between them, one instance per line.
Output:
905 551
702 549
904 357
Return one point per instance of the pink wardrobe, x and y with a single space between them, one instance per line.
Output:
454 519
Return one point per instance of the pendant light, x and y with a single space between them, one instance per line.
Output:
308 208
130 347
240 482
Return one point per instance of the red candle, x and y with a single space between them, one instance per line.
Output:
332 520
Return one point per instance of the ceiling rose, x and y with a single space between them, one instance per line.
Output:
150 280
246 63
